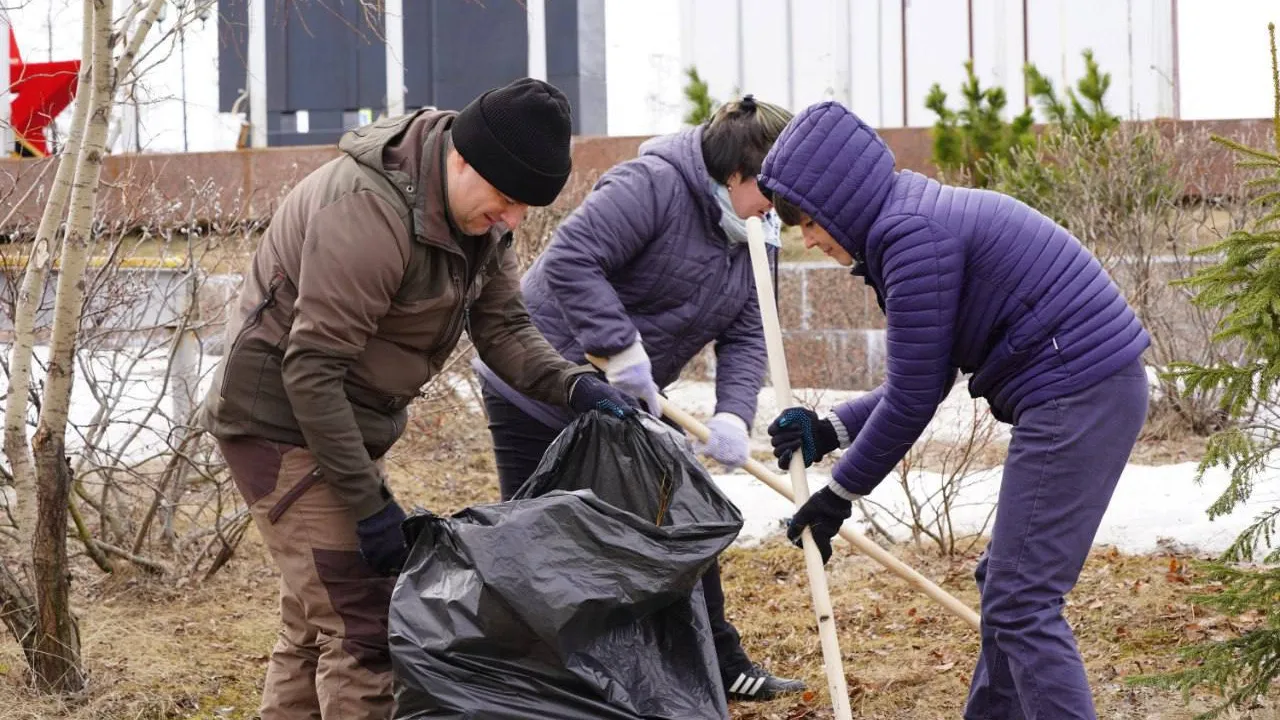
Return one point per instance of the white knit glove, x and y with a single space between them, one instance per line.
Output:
728 441
631 372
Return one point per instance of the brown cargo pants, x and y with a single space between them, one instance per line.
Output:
331 659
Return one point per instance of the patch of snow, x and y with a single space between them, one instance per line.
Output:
1151 506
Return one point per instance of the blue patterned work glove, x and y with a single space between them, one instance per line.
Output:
591 393
797 428
823 513
381 540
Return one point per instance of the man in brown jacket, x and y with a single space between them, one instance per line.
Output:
365 279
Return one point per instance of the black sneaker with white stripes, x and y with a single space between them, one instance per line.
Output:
755 683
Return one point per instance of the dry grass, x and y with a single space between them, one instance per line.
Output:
156 651
905 657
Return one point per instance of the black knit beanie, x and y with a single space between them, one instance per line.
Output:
517 138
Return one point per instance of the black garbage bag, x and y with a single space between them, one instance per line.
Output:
579 598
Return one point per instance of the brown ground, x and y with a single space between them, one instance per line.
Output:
156 651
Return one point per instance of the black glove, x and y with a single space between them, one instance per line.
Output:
823 513
381 540
591 393
800 427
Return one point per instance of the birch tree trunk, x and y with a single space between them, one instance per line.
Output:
28 301
46 628
57 666
56 662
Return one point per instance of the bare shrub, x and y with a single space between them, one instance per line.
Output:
540 223
1136 198
148 489
940 479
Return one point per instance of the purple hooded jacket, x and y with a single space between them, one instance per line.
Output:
969 280
645 253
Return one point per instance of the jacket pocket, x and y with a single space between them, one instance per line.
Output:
254 320
1015 349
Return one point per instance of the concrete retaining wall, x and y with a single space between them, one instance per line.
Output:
833 329
834 334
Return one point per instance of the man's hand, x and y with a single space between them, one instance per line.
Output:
823 513
796 428
591 393
631 372
381 540
728 441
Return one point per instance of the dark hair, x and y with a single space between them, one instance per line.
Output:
787 211
739 135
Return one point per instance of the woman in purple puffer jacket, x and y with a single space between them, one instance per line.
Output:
973 281
651 268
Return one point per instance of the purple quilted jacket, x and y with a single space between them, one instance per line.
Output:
969 280
645 253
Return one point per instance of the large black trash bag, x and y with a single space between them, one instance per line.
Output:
580 598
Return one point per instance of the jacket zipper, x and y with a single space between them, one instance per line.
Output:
254 319
454 317
448 339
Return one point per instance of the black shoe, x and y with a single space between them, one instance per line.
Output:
756 683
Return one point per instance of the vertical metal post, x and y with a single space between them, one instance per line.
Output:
1164 62
182 57
842 52
1176 71
970 25
1026 55
6 99
1133 100
688 43
393 41
257 70
999 75
1062 42
906 97
791 61
880 60
741 49
537 24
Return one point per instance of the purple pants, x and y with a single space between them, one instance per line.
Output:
1065 457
